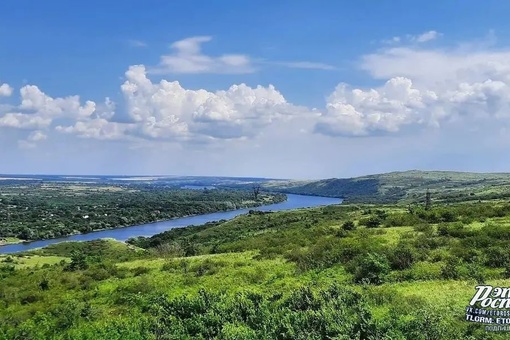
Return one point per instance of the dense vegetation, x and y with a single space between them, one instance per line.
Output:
405 187
34 211
345 272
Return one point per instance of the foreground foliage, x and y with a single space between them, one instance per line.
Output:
342 272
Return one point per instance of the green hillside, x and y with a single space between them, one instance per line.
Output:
335 272
405 187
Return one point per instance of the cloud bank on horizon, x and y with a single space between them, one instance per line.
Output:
423 87
416 88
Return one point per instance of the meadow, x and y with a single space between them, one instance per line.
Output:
352 271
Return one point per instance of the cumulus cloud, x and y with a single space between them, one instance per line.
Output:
158 111
36 102
32 139
38 110
36 136
359 112
98 128
422 87
5 90
24 121
187 57
167 110
419 87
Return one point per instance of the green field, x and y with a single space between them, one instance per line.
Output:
339 272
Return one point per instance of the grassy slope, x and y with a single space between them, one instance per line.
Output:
408 186
253 249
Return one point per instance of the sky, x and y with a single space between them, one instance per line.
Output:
282 89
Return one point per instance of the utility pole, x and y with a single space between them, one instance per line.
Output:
256 191
427 200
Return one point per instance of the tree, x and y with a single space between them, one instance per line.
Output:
78 261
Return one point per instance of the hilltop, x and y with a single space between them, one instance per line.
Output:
404 187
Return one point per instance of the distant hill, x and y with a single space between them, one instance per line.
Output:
405 187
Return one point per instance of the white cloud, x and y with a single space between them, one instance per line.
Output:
5 90
424 37
410 38
38 111
24 121
37 136
429 87
136 43
32 139
35 102
187 57
394 40
420 87
439 67
359 112
167 110
98 128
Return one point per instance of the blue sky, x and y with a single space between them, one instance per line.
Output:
322 89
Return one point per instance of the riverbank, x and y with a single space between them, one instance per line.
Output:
149 229
53 210
10 240
92 220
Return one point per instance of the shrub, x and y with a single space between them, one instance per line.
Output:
140 271
371 268
450 270
424 228
425 271
207 267
402 257
348 225
496 257
371 222
44 284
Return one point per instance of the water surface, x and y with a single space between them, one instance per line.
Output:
149 229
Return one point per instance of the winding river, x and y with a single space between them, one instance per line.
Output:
149 229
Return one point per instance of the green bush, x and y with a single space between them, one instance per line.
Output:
402 257
348 225
450 269
371 268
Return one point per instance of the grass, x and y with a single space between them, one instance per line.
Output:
31 261
270 254
9 240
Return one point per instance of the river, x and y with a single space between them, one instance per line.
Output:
149 229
